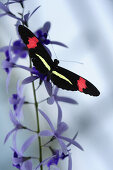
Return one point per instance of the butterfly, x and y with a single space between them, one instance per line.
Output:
60 76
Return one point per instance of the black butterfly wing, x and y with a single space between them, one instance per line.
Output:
25 34
61 77
40 56
68 80
41 61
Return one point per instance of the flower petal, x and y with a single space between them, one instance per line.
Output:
14 143
19 113
50 100
48 86
1 15
43 162
46 133
26 17
27 143
3 49
72 139
47 119
7 64
14 59
59 114
65 99
62 127
63 146
8 3
13 119
19 89
17 160
4 7
53 161
24 67
72 142
34 11
46 27
58 43
7 80
27 165
69 162
9 134
56 91
29 79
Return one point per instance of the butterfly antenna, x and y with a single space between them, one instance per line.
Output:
63 60
53 48
72 61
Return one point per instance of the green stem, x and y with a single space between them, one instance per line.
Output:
38 124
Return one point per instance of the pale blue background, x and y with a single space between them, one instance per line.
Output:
87 28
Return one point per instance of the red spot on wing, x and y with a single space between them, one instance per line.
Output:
32 42
81 84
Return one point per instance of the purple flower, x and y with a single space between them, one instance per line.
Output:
57 155
17 126
42 35
24 19
19 49
55 98
56 134
17 100
48 86
15 1
19 160
36 72
55 159
6 10
35 75
27 16
8 63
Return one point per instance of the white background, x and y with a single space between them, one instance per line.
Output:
86 27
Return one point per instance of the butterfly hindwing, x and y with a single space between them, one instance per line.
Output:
68 80
61 79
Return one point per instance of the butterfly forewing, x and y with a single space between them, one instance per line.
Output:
40 57
26 34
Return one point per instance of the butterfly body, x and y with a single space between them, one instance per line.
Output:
60 76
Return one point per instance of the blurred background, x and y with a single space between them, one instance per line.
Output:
86 27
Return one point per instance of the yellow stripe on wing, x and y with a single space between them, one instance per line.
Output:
44 62
61 76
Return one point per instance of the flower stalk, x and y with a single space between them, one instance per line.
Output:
37 118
